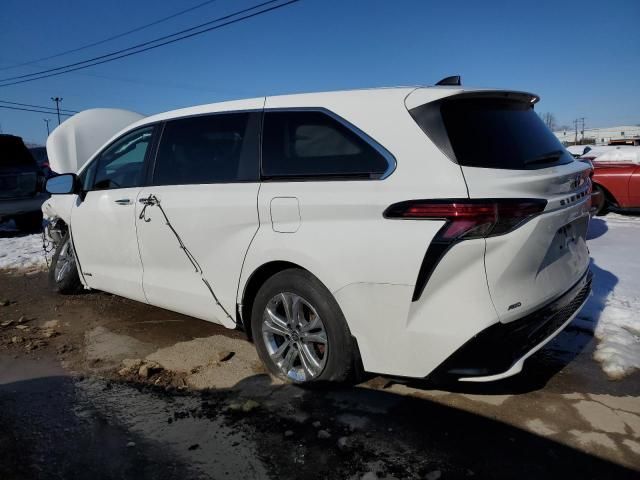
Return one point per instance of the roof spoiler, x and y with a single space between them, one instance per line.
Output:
453 80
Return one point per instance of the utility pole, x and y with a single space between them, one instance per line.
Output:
57 100
576 122
47 120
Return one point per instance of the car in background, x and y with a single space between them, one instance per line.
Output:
21 185
42 159
616 179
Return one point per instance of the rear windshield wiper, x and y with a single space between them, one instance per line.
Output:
545 157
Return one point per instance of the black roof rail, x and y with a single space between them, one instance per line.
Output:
453 80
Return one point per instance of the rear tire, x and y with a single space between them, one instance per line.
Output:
599 201
29 222
63 273
300 332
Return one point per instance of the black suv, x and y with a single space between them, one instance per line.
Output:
21 181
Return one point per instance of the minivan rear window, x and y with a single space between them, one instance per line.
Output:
491 132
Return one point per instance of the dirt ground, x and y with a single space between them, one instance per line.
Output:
96 386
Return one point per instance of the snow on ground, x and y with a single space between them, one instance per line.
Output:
613 310
614 307
19 251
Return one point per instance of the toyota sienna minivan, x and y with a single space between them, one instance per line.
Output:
431 231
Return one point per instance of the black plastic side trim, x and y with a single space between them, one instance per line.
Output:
436 251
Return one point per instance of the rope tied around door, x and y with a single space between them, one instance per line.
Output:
153 201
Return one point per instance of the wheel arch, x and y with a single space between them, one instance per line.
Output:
257 278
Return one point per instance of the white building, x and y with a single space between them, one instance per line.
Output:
601 136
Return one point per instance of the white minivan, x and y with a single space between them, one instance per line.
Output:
430 231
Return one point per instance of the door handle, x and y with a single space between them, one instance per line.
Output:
123 201
149 201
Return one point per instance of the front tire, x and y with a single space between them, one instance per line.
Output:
63 273
300 332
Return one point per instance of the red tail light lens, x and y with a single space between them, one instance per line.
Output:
469 218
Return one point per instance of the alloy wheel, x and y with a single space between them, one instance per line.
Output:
66 261
295 337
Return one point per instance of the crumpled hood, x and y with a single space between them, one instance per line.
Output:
77 139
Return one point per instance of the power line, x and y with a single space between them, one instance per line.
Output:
66 69
140 45
138 81
114 37
38 106
33 110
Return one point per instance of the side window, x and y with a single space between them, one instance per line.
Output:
208 149
313 144
121 165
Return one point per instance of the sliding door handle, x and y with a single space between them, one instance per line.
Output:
123 201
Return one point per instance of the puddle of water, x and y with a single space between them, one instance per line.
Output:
209 444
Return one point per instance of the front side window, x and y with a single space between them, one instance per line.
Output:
121 165
215 148
313 144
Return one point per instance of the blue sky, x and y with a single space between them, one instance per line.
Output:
582 57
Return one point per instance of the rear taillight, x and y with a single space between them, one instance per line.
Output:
469 218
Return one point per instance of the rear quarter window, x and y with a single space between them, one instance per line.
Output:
313 144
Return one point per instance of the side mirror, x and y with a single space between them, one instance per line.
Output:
62 184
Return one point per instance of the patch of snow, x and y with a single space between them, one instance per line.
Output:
18 251
614 306
578 149
622 154
597 150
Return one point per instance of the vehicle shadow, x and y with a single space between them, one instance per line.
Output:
100 429
45 432
597 228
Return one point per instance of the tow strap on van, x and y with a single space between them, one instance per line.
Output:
151 201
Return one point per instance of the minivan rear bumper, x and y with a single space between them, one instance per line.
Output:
500 350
